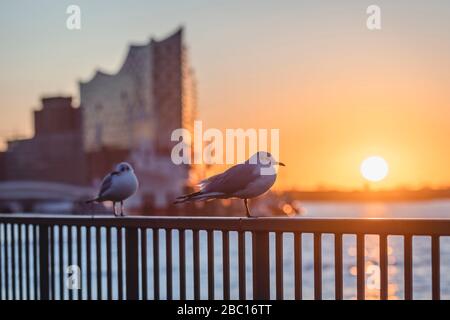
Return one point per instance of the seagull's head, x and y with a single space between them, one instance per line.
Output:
124 167
264 159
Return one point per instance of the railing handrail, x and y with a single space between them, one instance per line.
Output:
384 226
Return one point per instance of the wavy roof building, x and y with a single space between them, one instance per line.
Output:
130 115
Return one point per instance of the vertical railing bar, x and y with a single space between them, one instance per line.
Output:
169 263
144 263
27 260
338 285
98 250
138 255
70 253
5 242
383 267
20 264
35 262
435 268
298 265
1 261
182 248
7 262
3 266
317 266
156 263
360 266
120 262
279 265
408 267
43 262
109 263
132 260
52 262
211 264
242 271
13 260
88 262
8 272
196 256
79 261
2 272
2 244
226 264
61 261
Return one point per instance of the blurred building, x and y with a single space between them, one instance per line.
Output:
55 153
2 166
130 116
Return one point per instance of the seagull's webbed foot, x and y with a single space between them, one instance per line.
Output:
246 208
121 209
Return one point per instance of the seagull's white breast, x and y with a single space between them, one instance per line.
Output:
123 186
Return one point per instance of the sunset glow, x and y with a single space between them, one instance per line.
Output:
336 91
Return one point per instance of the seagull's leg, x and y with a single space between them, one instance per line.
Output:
121 208
246 208
114 208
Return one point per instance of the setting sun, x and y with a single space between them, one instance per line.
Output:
374 168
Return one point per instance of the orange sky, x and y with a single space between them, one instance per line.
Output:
337 91
349 102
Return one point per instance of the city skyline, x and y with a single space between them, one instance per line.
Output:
337 91
127 116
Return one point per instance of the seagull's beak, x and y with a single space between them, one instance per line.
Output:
281 164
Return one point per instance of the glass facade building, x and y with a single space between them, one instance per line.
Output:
130 116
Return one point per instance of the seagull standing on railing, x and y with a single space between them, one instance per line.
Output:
245 181
118 186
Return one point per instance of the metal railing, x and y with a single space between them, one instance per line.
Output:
116 255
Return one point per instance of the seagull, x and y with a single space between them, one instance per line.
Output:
244 181
118 186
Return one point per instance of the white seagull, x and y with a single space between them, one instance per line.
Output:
244 181
118 186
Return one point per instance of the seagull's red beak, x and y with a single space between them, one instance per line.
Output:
281 164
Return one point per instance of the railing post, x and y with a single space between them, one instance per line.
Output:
261 271
317 266
43 263
408 267
435 268
131 245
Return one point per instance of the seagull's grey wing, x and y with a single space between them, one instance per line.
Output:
234 179
106 184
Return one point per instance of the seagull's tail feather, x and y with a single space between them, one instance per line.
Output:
198 196
187 197
190 195
92 200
